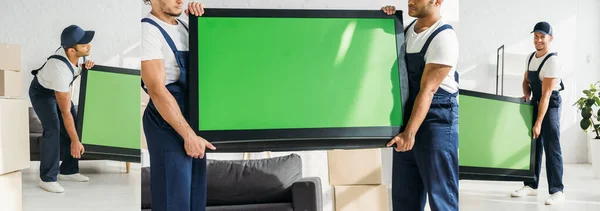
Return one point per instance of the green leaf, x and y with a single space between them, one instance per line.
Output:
597 99
590 102
598 115
585 124
586 113
586 92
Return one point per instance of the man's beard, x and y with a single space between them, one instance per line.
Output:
173 14
82 53
166 11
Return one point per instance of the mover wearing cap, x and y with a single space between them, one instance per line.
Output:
542 84
425 161
50 97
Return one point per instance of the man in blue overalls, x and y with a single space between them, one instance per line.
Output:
51 100
178 165
542 78
430 168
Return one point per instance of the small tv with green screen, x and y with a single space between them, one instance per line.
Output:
495 137
109 113
280 80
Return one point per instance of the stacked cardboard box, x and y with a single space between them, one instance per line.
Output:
11 78
14 128
357 180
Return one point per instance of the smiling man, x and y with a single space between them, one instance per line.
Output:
178 164
543 80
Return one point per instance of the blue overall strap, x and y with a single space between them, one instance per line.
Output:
431 37
61 58
530 58
34 72
435 33
164 33
562 86
64 60
184 26
409 25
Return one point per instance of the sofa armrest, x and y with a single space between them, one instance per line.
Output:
307 194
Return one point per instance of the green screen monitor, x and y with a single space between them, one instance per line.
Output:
280 80
109 113
495 138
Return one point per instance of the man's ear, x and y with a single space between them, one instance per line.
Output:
551 38
71 50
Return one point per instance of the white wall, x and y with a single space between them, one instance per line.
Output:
486 25
37 25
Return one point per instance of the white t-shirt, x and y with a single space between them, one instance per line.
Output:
443 49
154 45
56 75
551 68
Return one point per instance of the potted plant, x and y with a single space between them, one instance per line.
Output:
589 107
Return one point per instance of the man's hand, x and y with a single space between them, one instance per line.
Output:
536 130
389 10
89 64
404 142
195 146
526 97
195 8
77 149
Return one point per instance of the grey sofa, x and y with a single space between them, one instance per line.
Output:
35 136
274 184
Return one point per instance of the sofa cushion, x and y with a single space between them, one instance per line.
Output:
35 126
241 182
254 207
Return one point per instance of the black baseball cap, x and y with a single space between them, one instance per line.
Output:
543 27
73 35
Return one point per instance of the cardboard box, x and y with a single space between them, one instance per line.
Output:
355 167
14 135
361 198
11 83
10 57
11 191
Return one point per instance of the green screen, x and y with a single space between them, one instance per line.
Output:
112 110
280 73
494 133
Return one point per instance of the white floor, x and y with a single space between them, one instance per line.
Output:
581 190
110 189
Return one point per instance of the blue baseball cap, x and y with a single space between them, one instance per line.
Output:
73 35
543 27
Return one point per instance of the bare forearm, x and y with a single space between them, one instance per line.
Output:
542 108
169 110
419 112
526 88
64 105
545 99
69 123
